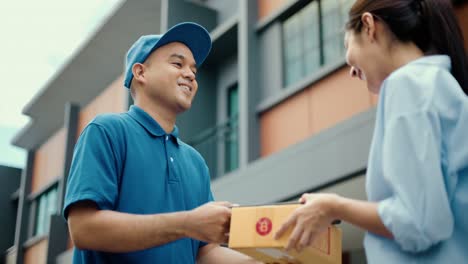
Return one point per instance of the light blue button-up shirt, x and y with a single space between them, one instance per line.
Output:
418 166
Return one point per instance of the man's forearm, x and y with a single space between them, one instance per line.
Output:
111 231
212 254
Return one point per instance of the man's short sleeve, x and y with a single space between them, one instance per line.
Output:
94 170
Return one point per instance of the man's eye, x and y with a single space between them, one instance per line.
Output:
178 64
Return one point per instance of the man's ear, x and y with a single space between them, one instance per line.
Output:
138 70
369 26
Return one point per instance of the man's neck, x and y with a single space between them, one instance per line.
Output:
165 118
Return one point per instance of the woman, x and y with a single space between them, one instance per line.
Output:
411 54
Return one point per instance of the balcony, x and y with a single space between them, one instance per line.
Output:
219 147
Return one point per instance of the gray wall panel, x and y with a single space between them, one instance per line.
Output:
202 114
22 218
58 237
58 232
249 138
181 11
271 66
227 77
225 8
324 158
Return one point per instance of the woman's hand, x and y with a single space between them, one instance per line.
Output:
309 220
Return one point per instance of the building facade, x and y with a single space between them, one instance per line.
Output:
9 185
276 114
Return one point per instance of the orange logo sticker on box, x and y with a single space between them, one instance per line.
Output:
264 226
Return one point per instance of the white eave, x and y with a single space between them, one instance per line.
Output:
93 67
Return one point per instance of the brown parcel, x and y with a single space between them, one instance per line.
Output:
252 233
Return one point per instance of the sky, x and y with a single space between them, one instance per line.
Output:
38 37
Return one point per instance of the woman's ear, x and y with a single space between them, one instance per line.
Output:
369 26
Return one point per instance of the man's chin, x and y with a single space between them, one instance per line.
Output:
183 107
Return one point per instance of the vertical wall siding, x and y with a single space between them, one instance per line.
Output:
323 105
48 161
112 100
266 7
37 253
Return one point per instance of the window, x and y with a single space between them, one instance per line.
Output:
231 140
46 205
301 43
334 16
313 37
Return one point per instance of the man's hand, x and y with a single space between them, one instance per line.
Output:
209 222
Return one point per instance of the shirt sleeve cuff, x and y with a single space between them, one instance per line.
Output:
406 232
100 202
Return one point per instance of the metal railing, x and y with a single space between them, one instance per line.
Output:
219 146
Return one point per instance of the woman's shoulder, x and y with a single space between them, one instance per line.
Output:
425 72
414 86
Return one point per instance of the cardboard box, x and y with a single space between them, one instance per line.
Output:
252 233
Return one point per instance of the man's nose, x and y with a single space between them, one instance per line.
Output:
188 74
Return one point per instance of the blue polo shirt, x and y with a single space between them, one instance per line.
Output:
127 163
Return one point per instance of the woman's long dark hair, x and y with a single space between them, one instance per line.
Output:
430 24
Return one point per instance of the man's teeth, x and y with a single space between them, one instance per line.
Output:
186 88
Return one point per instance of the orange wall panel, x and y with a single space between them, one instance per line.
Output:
49 161
112 100
462 16
285 124
336 98
36 254
320 106
266 7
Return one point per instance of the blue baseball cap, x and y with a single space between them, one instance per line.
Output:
194 36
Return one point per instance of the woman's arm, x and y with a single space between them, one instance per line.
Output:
360 213
319 211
